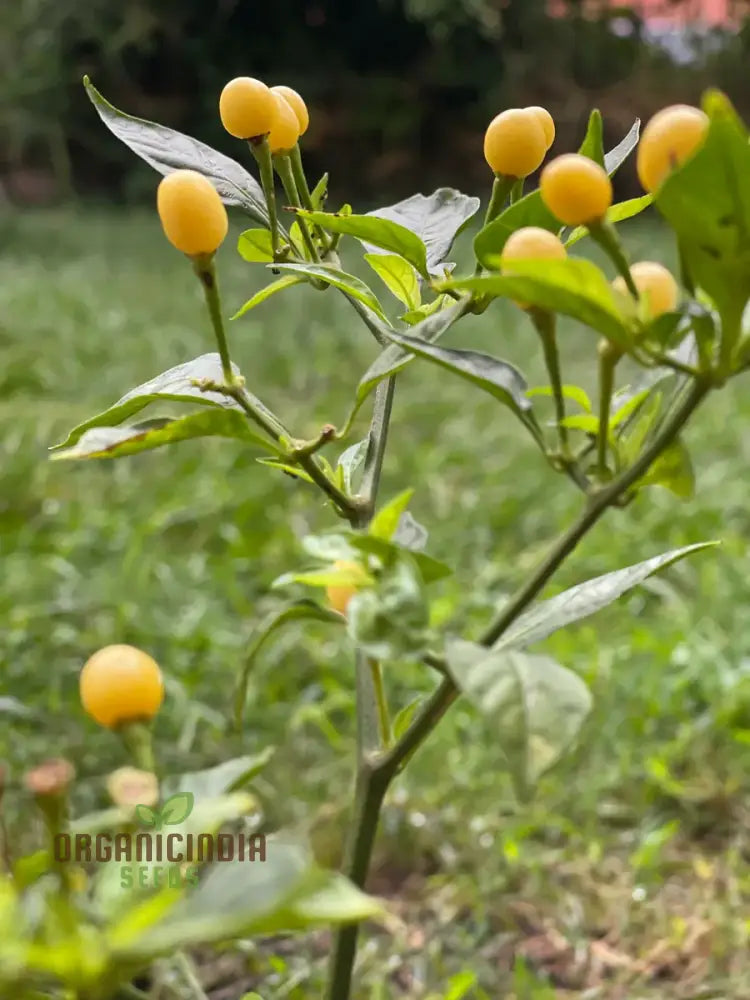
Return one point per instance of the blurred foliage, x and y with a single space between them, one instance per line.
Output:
400 89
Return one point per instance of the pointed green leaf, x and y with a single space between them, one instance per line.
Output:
177 808
573 287
295 471
617 213
542 619
537 705
166 150
398 276
319 193
382 233
389 553
415 316
339 279
531 210
437 219
394 358
181 384
499 378
386 520
673 470
119 442
266 292
593 142
350 461
614 159
256 246
229 776
706 201
572 392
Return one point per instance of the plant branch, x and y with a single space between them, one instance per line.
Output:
285 172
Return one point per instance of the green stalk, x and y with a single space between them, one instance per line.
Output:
300 180
516 192
546 323
606 237
205 268
608 358
262 153
502 186
138 739
284 170
381 704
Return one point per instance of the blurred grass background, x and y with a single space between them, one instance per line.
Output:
628 874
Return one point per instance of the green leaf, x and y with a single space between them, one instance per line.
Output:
350 461
166 150
415 316
147 816
267 291
181 384
339 279
229 776
329 548
572 392
339 576
614 159
256 246
617 213
389 553
386 520
177 808
593 143
499 378
391 619
244 898
394 358
437 219
404 716
537 705
707 203
389 236
542 619
410 534
673 470
319 193
399 277
301 610
573 287
291 470
531 210
586 422
118 442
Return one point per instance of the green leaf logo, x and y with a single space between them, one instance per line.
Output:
147 816
177 808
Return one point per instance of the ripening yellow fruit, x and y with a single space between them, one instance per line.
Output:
576 189
533 243
120 684
192 213
670 138
297 105
246 108
284 127
655 283
547 122
338 596
515 143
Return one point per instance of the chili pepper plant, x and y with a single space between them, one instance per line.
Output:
685 336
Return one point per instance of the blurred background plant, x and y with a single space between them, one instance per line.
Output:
400 89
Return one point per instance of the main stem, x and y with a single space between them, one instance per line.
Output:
377 770
372 712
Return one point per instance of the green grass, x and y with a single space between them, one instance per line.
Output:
627 876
